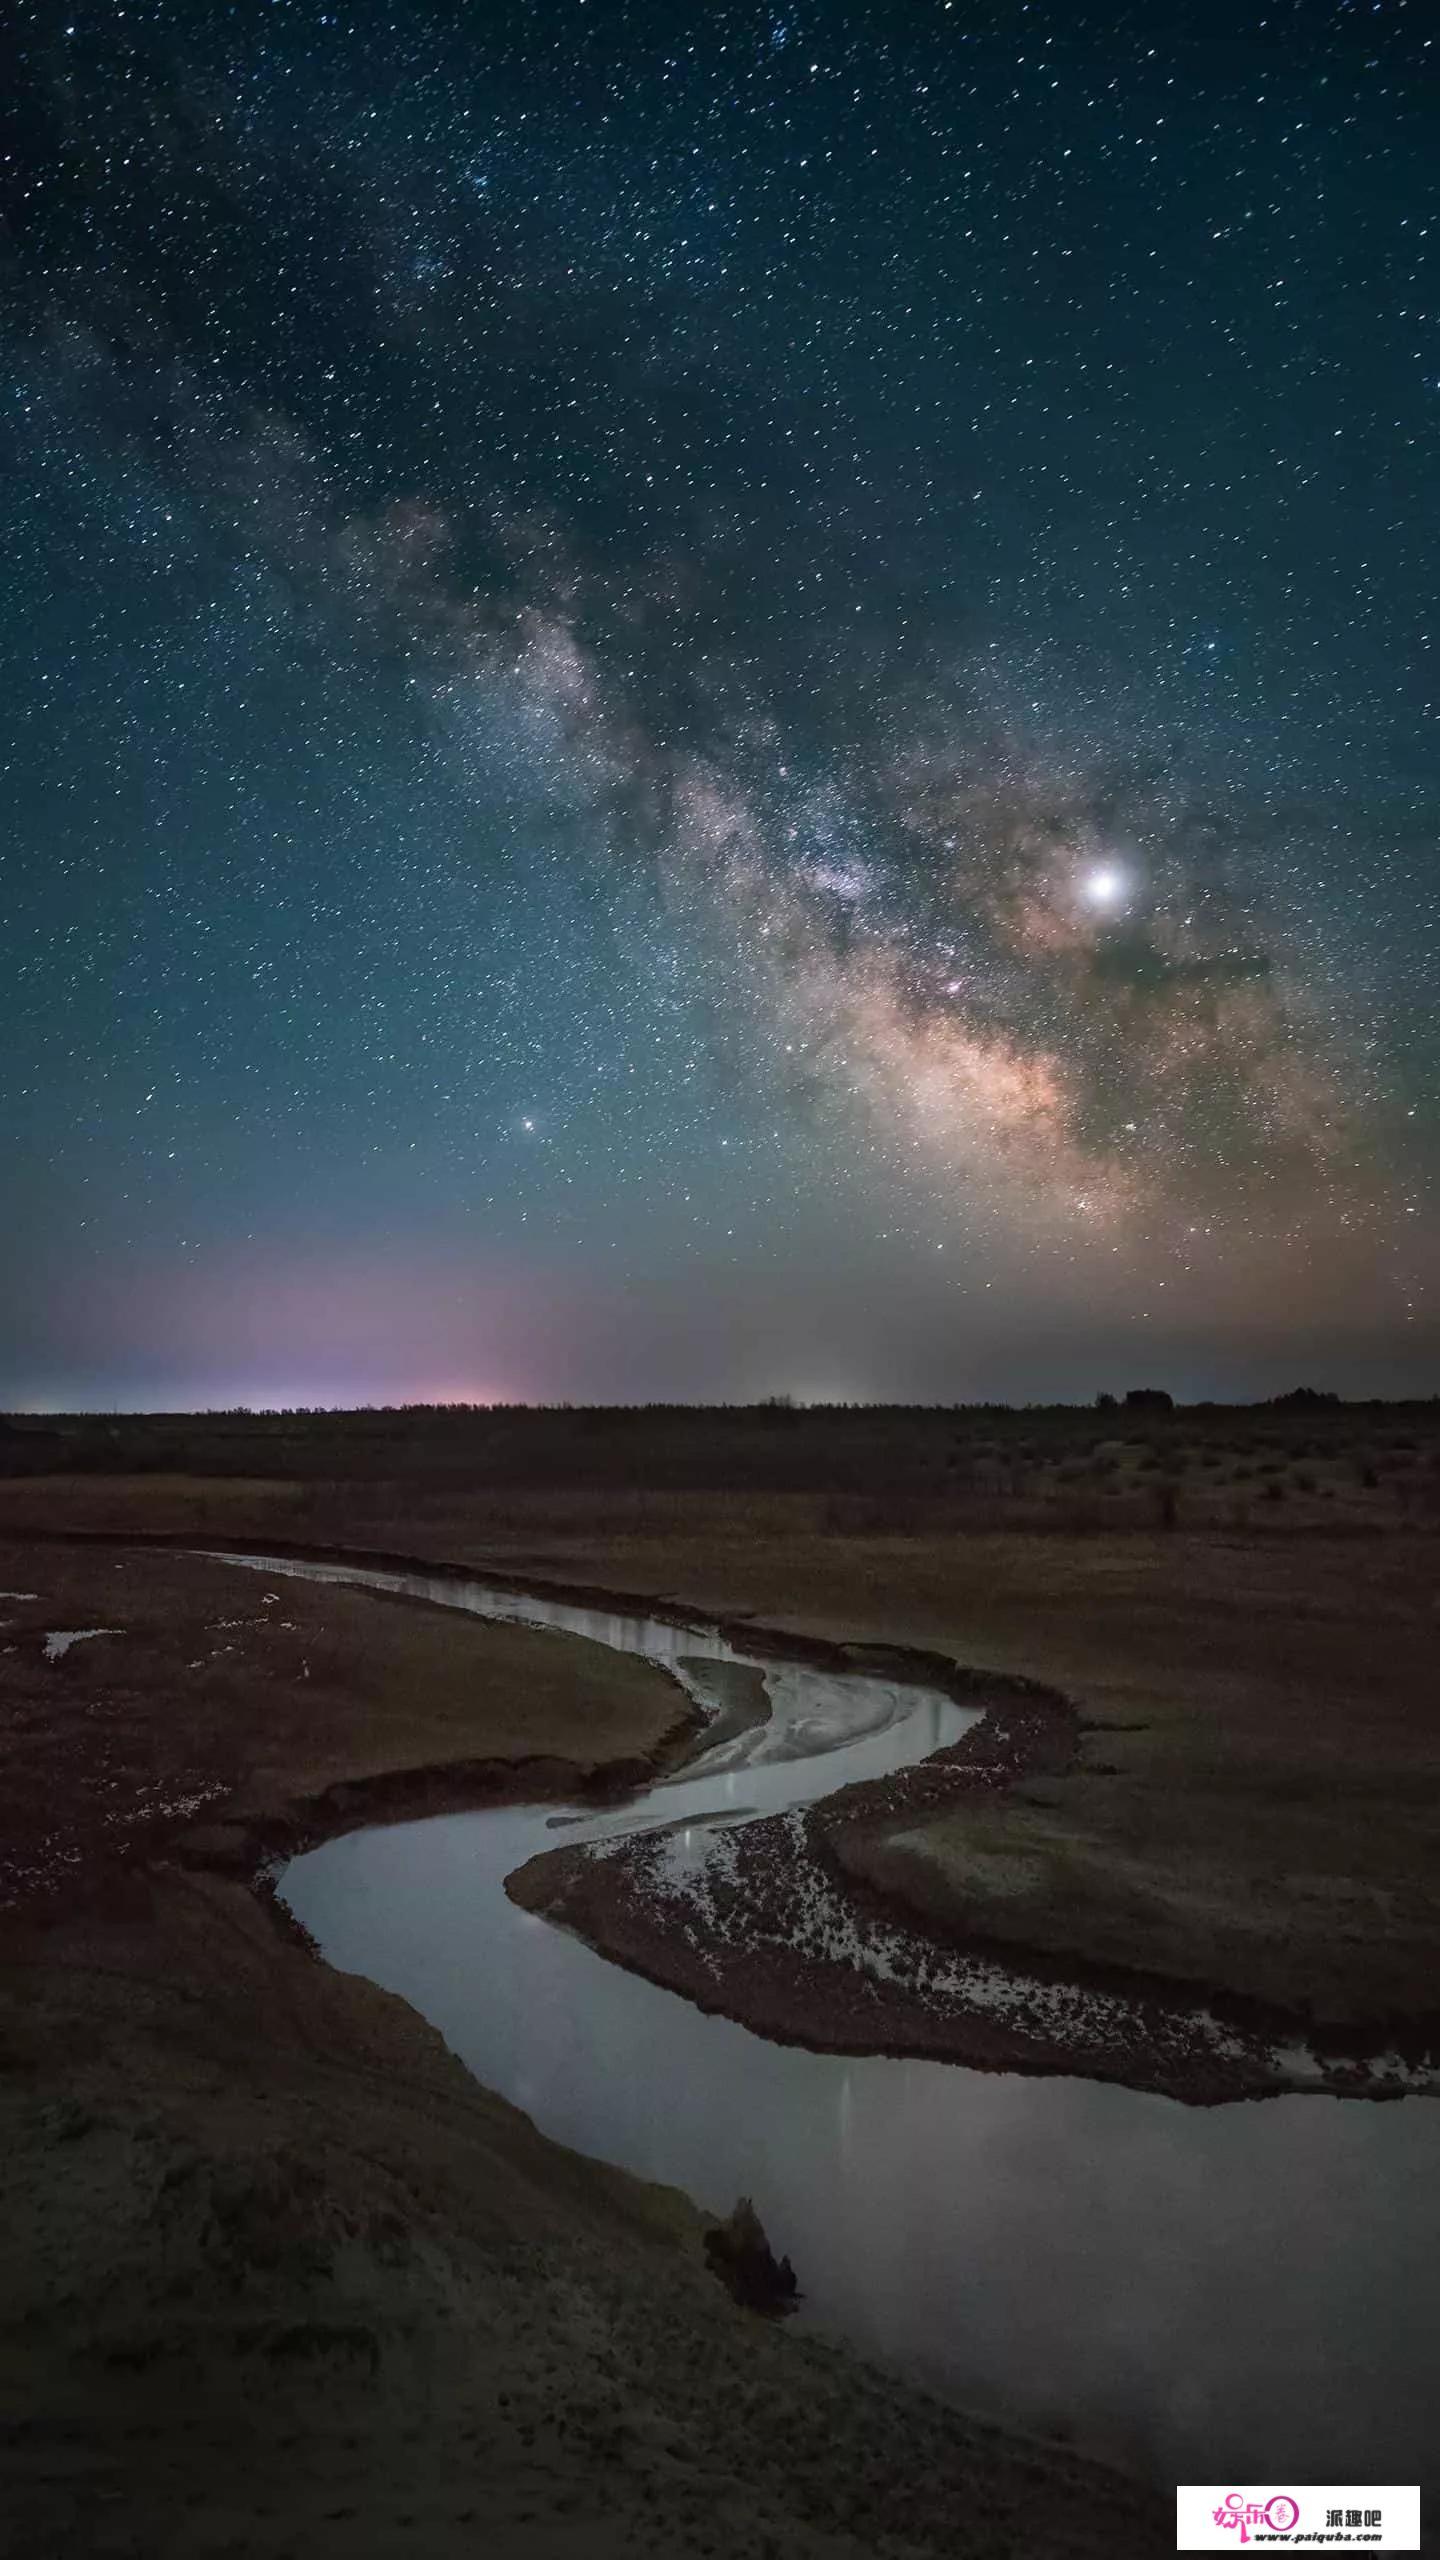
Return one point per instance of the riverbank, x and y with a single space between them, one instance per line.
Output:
250 1718
777 1924
278 2275
802 1926
1253 1808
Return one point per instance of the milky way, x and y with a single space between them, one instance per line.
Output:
706 703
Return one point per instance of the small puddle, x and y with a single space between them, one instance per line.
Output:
58 1644
1245 2289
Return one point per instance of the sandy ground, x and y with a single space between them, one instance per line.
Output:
276 2276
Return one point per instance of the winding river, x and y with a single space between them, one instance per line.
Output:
1247 2290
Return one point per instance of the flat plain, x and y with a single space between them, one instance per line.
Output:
239 2178
1241 1602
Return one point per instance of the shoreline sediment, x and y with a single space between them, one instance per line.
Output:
919 1988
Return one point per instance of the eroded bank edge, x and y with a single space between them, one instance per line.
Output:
1038 1733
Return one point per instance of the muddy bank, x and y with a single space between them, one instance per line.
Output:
742 1627
277 2274
244 1719
781 1924
815 1932
253 1848
1249 1809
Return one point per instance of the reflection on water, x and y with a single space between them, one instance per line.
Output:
1246 2289
823 1728
1247 2286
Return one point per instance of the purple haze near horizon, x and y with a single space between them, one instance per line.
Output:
709 704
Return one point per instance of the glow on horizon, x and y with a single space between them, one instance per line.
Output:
384 1396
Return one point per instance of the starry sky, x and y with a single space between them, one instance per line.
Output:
721 701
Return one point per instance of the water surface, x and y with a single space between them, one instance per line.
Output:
1247 2289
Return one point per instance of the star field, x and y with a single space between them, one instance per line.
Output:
699 703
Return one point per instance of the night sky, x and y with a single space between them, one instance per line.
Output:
705 702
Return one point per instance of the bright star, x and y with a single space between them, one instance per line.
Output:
1105 886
